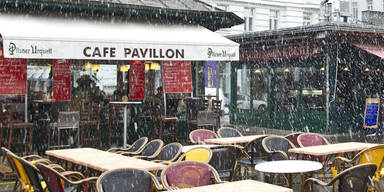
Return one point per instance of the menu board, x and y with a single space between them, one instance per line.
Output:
13 76
137 80
371 114
61 83
177 76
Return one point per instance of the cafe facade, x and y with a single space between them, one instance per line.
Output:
313 78
57 54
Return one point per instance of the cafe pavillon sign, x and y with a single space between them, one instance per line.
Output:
46 49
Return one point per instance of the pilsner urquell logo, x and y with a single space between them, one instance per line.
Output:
210 52
12 48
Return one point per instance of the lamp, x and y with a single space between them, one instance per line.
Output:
146 67
286 70
257 71
87 65
367 69
124 68
322 69
95 67
346 69
154 66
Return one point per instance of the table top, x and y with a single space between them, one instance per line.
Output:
330 149
238 186
102 160
233 140
288 166
189 147
125 102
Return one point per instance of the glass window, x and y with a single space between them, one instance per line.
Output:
274 19
312 93
286 85
260 88
243 88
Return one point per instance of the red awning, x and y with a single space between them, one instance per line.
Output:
377 50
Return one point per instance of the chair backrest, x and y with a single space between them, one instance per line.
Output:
193 106
125 179
356 179
205 118
139 144
17 167
292 137
170 152
152 148
90 111
33 175
200 154
186 174
311 139
199 135
256 150
228 132
224 160
277 143
51 177
68 119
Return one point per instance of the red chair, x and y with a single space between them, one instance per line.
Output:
187 174
199 135
311 139
292 137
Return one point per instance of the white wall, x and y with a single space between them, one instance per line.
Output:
291 12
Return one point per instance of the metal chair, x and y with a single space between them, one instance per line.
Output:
60 182
151 150
292 137
311 139
126 179
66 121
187 174
135 148
277 147
371 155
199 135
354 179
207 119
200 154
228 132
169 153
224 160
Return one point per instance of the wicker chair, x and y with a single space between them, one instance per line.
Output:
151 150
126 179
136 148
169 153
228 132
199 135
187 174
277 147
354 179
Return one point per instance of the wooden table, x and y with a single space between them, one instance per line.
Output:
233 140
331 149
238 186
102 160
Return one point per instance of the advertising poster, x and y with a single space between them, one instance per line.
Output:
61 80
137 80
371 113
177 76
210 74
13 76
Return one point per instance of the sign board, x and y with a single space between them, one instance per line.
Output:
61 80
44 49
13 76
177 76
210 74
371 113
137 80
293 51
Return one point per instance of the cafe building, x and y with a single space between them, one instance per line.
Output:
57 56
313 78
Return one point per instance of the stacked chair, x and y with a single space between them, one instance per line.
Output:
199 135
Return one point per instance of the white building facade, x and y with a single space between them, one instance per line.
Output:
352 11
269 15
